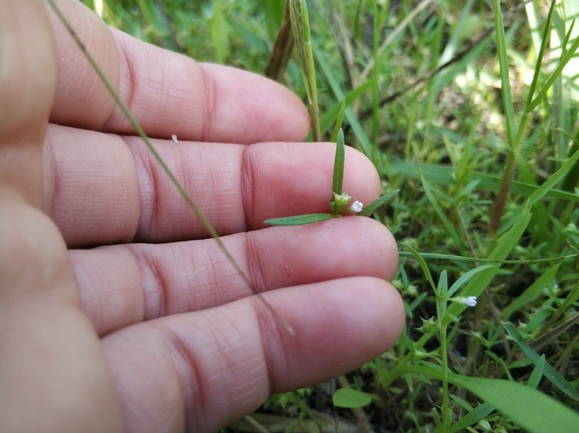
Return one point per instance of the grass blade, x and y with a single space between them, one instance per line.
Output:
332 114
167 170
371 208
537 373
423 265
531 293
474 416
504 67
481 280
555 74
466 278
550 373
339 120
339 164
299 220
541 191
534 411
449 227
444 175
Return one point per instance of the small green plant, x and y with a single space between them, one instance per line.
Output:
468 114
340 199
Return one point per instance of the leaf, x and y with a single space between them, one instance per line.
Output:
339 164
449 227
348 397
481 280
531 292
474 416
554 75
466 278
504 70
369 210
219 33
328 70
553 179
444 175
550 373
537 373
339 120
299 220
333 113
533 410
423 265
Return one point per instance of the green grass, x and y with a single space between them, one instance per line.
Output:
469 113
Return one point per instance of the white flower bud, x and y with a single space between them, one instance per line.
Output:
357 206
469 301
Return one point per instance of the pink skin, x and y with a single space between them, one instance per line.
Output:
152 330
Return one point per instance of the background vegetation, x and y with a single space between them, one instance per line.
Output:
447 105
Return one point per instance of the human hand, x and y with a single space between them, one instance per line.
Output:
115 312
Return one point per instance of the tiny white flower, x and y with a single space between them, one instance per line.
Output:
469 301
357 206
174 137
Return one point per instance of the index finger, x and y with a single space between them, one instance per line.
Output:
167 93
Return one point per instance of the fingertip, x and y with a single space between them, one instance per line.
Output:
360 174
340 325
243 107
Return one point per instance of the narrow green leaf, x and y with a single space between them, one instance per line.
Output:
481 280
348 397
353 120
423 265
537 373
553 179
339 164
478 259
533 410
339 120
474 416
299 220
540 55
554 75
333 113
444 175
466 278
531 293
219 33
442 287
504 69
550 373
371 208
449 227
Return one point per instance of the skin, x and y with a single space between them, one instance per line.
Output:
116 312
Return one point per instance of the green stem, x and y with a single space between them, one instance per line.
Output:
310 74
302 37
446 418
166 168
508 174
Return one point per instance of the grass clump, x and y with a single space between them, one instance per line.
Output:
471 111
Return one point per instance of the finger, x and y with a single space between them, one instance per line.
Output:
53 374
126 284
207 369
100 189
27 81
167 93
